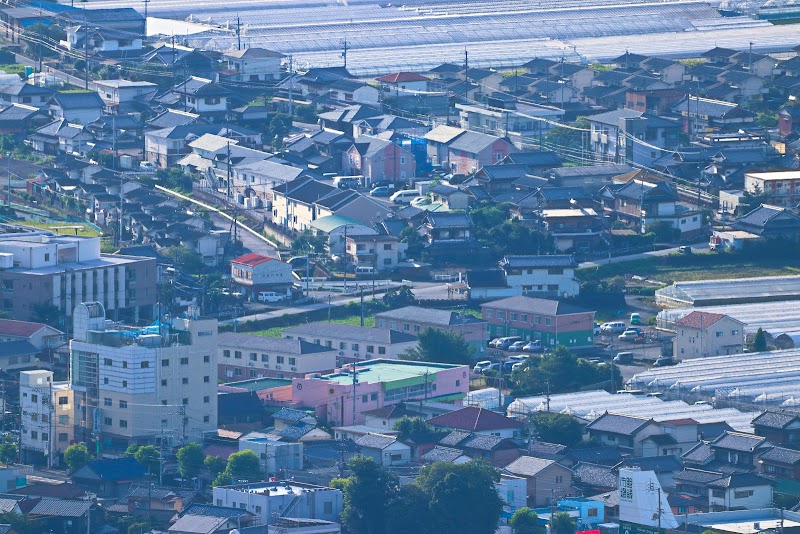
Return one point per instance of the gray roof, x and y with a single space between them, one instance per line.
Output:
532 304
738 480
473 142
543 449
777 420
614 118
198 524
538 262
471 440
448 219
611 169
781 455
7 505
528 466
739 441
375 441
762 215
269 344
601 476
432 316
659 464
704 106
78 100
699 453
61 508
363 334
295 432
441 454
696 476
290 414
613 423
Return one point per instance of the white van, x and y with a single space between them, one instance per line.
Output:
270 296
365 269
405 196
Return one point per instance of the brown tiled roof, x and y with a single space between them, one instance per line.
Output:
700 319
474 419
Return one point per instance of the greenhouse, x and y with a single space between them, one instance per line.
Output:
733 291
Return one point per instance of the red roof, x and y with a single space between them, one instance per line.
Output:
252 259
700 319
399 77
682 422
474 419
9 327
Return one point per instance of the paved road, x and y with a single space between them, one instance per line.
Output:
250 242
640 256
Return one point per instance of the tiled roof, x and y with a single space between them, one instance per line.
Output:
528 466
781 455
739 441
215 511
198 524
470 440
375 441
7 505
116 469
252 259
393 411
398 77
700 319
542 449
626 425
659 464
297 431
776 420
700 453
61 508
474 419
738 480
441 454
538 262
9 327
290 414
696 476
600 476
17 348
662 439
448 219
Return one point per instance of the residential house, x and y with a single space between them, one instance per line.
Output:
701 334
119 95
415 319
344 120
61 137
496 450
211 520
380 252
275 456
479 421
630 135
746 85
788 120
780 463
447 233
379 160
243 356
438 141
202 96
111 32
253 182
79 108
385 418
293 202
704 115
28 94
590 177
444 454
573 229
164 147
109 477
541 276
354 343
499 117
590 477
348 91
547 481
60 515
450 197
472 150
657 102
769 222
253 65
740 490
549 321
403 82
256 272
624 431
694 483
782 188
41 336
385 450
737 449
780 428
670 72
21 119
353 205
185 60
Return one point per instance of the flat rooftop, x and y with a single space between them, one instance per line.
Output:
105 260
278 488
258 384
772 176
373 371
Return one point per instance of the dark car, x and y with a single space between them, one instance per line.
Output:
664 361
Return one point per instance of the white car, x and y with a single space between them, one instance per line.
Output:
481 366
146 166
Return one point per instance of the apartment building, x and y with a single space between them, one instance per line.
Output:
782 188
415 319
65 271
47 423
270 501
354 343
243 356
141 384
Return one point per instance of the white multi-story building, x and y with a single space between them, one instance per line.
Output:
139 385
270 501
47 422
241 356
275 456
702 334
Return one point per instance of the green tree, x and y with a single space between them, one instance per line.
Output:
408 513
368 490
408 426
243 465
174 178
305 113
561 371
557 428
462 497
21 524
525 521
138 527
130 452
42 32
47 313
185 259
307 241
760 341
222 479
214 465
562 523
190 460
751 200
441 346
568 138
398 297
8 452
149 457
76 456
410 237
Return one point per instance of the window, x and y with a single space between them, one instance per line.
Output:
123 404
501 315
292 361
524 318
381 350
164 363
185 361
237 354
265 357
107 421
108 362
280 359
373 396
416 328
719 494
123 423
741 494
548 321
206 419
370 349
185 401
107 401
735 332
253 357
63 419
538 319
489 314
164 382
354 346
513 316
206 399
364 398
592 512
206 379
62 436
226 353
719 333
327 507
185 380
258 509
206 358
34 417
34 434
124 365
145 365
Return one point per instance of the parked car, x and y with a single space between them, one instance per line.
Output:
614 327
480 366
597 330
512 361
684 250
493 343
405 196
146 166
420 201
636 318
517 346
664 361
623 358
380 191
533 346
507 342
270 296
493 367
629 335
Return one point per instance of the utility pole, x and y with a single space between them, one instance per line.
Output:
362 307
291 88
355 381
659 510
86 51
238 33
144 37
466 75
230 169
344 53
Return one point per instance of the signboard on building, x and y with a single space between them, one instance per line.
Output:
642 503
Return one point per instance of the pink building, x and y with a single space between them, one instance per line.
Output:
377 160
472 150
378 383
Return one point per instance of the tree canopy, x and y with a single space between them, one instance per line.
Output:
562 523
525 521
190 460
243 465
408 426
76 456
561 371
368 490
398 297
441 346
557 428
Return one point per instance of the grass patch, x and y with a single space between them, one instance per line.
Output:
668 269
13 68
353 320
